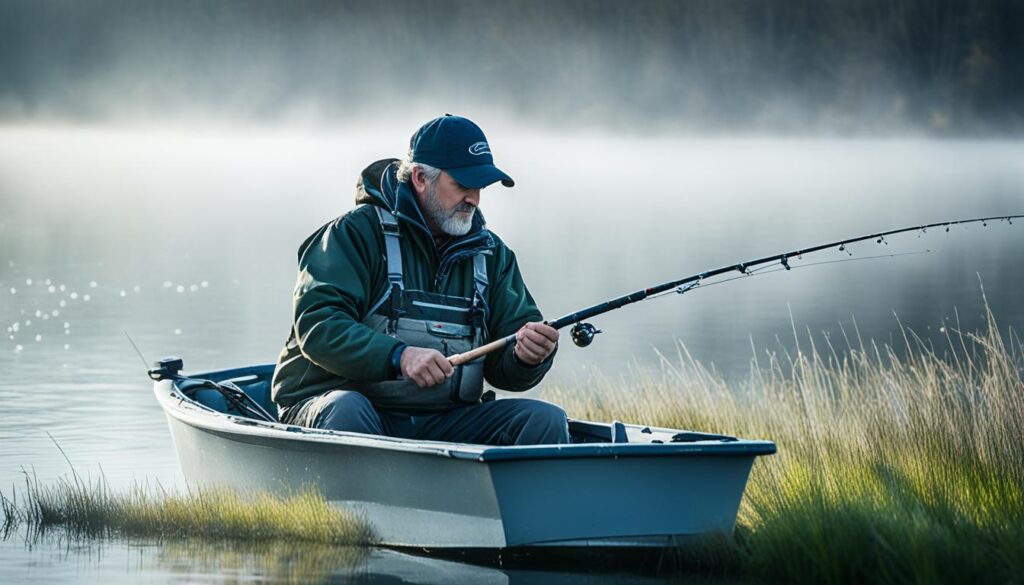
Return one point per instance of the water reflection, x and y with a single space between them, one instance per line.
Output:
24 556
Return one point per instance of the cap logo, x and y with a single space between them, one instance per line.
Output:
479 148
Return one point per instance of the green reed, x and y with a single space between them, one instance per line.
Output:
92 508
895 464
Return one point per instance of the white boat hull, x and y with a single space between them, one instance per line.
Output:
447 495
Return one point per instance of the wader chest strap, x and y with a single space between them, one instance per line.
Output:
396 284
480 283
392 242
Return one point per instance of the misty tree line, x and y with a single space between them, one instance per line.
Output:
942 66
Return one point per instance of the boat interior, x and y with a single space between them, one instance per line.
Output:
245 392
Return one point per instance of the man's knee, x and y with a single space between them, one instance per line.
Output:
546 423
344 410
547 412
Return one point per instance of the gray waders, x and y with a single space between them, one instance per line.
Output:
418 318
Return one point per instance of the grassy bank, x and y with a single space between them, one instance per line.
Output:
895 464
85 508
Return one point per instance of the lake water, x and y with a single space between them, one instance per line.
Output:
186 240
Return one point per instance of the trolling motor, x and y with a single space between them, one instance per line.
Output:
166 369
583 334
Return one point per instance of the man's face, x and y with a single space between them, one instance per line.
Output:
448 206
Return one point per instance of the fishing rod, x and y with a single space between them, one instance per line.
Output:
583 333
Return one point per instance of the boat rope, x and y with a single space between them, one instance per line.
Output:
583 333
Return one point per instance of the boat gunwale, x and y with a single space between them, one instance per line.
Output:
195 414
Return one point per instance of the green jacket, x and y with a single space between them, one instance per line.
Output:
343 272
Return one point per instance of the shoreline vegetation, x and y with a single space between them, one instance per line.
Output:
895 464
92 509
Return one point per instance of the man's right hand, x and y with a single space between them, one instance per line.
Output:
426 367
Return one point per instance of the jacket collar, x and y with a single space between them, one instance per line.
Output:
379 186
400 200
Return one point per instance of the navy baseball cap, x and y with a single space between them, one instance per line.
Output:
459 147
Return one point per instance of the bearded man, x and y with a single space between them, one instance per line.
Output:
411 276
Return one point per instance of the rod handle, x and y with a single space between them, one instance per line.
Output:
463 358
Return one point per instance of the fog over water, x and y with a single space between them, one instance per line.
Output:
160 164
889 67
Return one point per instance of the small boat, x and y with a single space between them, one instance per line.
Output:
616 485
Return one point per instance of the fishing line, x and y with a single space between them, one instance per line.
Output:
769 269
145 364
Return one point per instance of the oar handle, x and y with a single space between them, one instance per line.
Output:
463 358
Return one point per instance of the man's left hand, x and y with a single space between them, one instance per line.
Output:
535 342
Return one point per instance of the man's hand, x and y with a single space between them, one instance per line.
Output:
426 367
535 342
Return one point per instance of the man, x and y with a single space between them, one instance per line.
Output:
412 275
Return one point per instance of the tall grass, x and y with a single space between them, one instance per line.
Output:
92 508
895 464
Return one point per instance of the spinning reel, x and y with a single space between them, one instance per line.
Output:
583 334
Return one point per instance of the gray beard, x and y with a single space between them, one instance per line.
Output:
448 221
